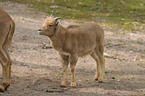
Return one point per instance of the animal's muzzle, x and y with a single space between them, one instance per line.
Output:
40 32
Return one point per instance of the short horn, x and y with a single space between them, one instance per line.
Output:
51 15
57 18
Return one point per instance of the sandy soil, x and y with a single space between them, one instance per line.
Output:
37 71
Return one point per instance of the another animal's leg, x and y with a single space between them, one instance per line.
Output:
4 60
65 62
5 48
73 61
98 67
102 60
102 65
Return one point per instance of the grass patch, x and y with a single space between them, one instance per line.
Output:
124 14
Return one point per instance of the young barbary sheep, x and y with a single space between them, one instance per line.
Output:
75 41
7 27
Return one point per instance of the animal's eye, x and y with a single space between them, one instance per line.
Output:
50 25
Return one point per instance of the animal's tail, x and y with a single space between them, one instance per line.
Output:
101 42
101 46
10 34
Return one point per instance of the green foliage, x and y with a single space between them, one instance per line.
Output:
117 12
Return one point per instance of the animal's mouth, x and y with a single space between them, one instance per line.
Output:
40 32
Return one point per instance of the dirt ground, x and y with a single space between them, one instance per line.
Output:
37 71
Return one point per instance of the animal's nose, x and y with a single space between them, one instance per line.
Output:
39 30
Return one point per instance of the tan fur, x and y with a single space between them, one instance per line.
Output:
75 41
7 27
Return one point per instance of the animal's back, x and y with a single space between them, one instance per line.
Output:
4 16
88 35
87 29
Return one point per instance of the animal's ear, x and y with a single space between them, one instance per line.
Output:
57 18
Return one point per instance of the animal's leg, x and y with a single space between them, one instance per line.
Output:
102 63
98 67
9 60
100 54
6 63
102 66
73 61
65 62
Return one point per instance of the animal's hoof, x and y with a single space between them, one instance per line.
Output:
96 79
100 81
2 88
62 86
73 84
7 87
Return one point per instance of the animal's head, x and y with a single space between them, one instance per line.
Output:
49 26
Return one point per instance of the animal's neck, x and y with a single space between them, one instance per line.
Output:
59 37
